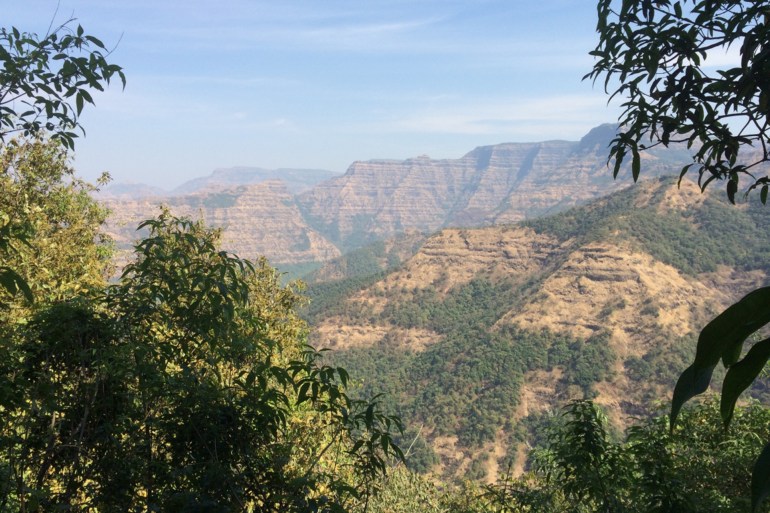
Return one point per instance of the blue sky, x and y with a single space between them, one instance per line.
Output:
321 83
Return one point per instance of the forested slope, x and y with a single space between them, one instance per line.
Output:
484 332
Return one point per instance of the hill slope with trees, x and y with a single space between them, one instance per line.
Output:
483 333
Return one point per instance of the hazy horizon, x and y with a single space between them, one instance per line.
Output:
299 84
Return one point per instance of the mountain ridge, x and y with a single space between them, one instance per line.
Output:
380 199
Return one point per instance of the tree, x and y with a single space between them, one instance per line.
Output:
184 387
655 54
584 464
46 81
56 220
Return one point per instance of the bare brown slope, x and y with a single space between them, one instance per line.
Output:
449 259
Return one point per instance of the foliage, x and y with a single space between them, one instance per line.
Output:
658 51
39 80
53 222
723 339
406 492
584 467
185 387
699 467
656 54
46 81
590 470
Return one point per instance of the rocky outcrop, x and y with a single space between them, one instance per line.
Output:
256 220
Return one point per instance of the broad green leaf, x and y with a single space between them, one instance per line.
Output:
760 479
722 338
636 164
733 326
12 282
693 381
732 188
741 375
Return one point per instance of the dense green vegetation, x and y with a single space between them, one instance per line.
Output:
694 240
585 467
183 387
186 385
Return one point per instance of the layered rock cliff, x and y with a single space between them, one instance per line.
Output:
491 184
378 199
256 220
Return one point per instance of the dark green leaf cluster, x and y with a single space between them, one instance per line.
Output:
46 81
699 467
585 468
655 54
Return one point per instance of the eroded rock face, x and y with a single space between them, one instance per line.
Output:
256 220
490 185
378 199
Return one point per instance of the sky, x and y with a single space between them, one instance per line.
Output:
322 83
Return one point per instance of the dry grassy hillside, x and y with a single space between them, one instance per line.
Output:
505 323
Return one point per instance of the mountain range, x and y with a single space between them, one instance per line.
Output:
304 217
482 293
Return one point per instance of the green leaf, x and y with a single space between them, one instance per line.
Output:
636 164
693 381
12 282
741 375
733 326
95 41
722 338
760 479
732 188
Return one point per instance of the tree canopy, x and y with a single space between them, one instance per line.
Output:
657 56
184 385
45 81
